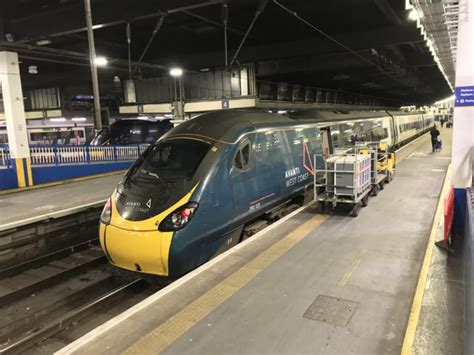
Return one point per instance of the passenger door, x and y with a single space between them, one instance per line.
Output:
244 182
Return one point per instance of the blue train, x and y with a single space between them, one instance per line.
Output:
195 192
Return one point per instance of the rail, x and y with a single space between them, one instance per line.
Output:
75 154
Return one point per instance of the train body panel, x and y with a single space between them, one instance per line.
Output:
240 193
407 126
428 121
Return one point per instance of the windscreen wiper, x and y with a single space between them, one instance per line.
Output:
158 177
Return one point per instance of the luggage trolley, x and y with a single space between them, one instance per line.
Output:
345 179
381 165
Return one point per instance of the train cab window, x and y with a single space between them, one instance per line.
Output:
170 161
242 157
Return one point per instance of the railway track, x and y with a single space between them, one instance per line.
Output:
48 295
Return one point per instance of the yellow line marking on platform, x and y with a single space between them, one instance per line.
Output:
343 281
164 335
420 288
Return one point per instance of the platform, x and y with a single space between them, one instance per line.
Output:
25 207
307 284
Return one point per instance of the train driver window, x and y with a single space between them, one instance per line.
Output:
242 157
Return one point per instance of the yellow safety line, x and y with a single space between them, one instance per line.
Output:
343 281
165 334
420 288
63 182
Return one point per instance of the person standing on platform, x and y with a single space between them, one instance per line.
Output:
434 137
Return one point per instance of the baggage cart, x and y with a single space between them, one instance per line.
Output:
345 179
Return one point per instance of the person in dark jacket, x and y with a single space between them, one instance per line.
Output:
434 136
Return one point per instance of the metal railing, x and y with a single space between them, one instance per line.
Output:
4 157
76 154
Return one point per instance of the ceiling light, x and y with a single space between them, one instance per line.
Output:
43 42
176 72
32 69
59 119
9 37
101 61
79 119
413 15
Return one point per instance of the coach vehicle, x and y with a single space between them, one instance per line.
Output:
194 192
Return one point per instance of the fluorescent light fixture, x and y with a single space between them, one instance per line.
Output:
281 112
176 72
79 119
101 61
168 115
32 69
43 42
413 15
143 118
59 119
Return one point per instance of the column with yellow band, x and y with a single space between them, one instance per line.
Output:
14 111
23 172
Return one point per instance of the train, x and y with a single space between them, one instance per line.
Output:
80 130
128 131
199 189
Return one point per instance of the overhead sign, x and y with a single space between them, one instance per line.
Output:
464 96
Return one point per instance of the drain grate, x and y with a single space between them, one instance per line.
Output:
331 310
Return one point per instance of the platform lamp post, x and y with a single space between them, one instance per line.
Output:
178 104
94 64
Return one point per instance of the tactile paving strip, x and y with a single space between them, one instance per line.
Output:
331 310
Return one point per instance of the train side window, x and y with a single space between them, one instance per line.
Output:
242 157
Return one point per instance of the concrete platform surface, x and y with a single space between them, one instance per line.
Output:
27 207
311 284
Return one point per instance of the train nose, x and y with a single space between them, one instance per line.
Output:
143 251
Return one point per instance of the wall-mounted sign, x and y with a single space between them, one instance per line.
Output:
464 96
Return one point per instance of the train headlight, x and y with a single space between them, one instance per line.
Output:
106 212
179 218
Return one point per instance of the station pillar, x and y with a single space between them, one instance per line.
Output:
463 127
15 117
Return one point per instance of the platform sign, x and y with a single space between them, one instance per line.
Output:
225 103
464 96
